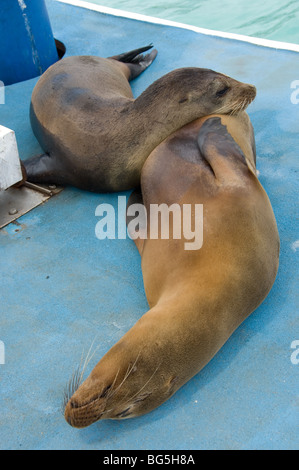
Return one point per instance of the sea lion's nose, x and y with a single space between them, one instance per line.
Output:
69 420
253 91
68 413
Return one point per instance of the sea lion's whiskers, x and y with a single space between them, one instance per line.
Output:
234 108
113 392
156 370
71 386
77 376
243 105
125 396
228 108
88 359
110 391
223 109
106 411
240 106
128 372
246 103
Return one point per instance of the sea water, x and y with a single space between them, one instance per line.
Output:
269 19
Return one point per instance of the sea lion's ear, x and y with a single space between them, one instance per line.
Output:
185 98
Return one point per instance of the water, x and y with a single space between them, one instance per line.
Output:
270 19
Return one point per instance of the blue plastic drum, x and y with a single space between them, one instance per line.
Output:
27 45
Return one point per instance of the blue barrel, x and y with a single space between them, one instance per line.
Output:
27 45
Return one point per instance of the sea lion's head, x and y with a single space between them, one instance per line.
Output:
197 92
125 383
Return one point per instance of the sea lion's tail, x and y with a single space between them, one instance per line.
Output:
136 61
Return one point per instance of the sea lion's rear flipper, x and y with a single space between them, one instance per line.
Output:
136 214
41 169
136 61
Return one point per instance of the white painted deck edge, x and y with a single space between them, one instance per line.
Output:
150 19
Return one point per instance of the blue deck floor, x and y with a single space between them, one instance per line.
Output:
61 287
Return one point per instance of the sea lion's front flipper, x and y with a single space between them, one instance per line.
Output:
220 150
136 61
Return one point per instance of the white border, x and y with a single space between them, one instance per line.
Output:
151 19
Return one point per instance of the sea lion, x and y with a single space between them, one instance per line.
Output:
96 136
197 298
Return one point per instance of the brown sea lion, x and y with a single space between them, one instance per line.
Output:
96 136
197 298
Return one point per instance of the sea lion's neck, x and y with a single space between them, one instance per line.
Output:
158 113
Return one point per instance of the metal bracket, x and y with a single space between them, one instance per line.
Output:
15 202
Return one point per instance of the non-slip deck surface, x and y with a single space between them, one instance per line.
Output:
61 288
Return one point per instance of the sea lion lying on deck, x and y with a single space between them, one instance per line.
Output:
197 298
96 136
